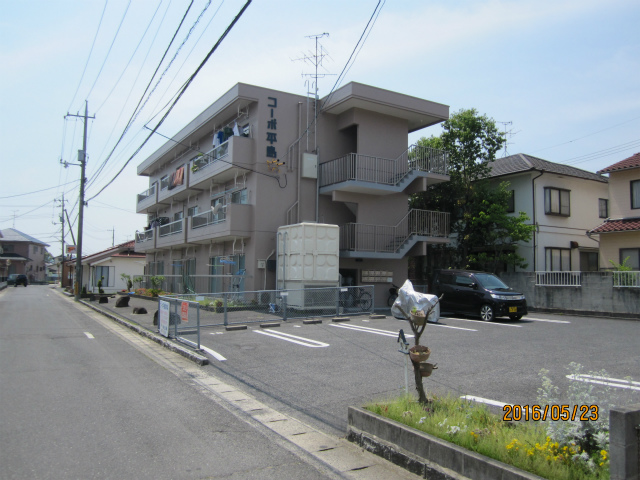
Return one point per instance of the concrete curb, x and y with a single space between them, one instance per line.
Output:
165 342
424 454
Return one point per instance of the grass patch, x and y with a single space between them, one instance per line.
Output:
524 445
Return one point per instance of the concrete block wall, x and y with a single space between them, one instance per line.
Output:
624 443
595 295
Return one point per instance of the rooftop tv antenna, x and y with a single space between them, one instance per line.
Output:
507 134
315 59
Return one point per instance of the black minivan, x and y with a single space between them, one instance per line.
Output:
477 293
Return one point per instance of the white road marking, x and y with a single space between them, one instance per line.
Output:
495 403
89 335
377 331
305 342
456 328
609 382
545 320
213 353
483 323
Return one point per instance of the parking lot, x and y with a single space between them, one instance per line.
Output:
317 370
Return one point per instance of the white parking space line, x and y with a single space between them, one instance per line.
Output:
486 401
386 333
305 342
213 353
450 326
480 322
609 382
89 335
545 320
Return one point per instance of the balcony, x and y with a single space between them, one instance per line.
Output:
172 234
235 220
221 162
381 176
145 241
147 199
393 241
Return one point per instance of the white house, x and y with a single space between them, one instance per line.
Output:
109 265
563 202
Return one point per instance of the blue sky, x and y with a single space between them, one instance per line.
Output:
565 73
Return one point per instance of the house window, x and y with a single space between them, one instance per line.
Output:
557 259
635 194
106 274
588 261
634 257
556 202
164 182
511 202
603 208
8 248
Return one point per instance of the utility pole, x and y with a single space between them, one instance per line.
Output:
82 158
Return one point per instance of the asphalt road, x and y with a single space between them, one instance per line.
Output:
76 401
317 371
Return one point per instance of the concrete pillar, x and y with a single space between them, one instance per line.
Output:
624 443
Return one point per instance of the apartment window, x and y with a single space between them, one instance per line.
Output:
603 208
511 202
635 194
177 216
239 196
191 211
634 257
556 202
164 182
557 259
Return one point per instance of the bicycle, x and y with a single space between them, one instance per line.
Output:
359 298
393 294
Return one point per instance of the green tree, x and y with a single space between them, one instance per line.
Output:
472 142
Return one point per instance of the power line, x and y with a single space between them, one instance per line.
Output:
184 88
38 191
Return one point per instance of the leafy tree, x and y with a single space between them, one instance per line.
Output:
472 142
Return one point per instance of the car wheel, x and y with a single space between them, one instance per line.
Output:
486 313
515 317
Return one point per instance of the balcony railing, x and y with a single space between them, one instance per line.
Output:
207 218
144 236
383 171
213 155
170 228
558 279
147 193
626 279
390 238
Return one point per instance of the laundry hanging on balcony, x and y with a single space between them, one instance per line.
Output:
177 178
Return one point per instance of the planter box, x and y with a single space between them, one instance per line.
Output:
424 454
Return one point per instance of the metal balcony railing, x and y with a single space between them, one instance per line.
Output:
213 155
144 236
390 238
170 228
383 171
147 193
208 218
559 279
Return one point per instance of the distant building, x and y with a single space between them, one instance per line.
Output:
620 233
108 266
22 254
563 202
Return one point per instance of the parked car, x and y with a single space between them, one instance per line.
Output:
477 293
16 279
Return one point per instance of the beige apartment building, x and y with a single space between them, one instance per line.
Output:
256 160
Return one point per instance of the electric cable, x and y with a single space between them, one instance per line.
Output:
184 88
38 191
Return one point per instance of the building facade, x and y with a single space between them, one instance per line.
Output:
258 159
619 235
109 265
563 202
23 254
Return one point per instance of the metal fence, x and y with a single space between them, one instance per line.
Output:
626 279
190 284
559 279
190 312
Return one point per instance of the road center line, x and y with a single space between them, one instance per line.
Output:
305 342
89 335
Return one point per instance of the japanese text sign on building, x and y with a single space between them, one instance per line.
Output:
272 136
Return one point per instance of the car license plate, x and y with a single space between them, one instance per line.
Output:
513 309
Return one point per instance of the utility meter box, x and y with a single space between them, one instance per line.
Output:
309 165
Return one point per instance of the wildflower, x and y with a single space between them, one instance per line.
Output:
422 420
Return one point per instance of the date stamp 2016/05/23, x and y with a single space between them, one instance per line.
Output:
542 413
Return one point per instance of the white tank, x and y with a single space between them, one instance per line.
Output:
308 253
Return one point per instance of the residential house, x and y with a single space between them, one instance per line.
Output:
108 266
563 202
258 159
619 235
22 253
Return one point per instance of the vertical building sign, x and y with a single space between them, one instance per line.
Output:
272 136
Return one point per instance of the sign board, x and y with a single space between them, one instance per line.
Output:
71 249
163 318
184 311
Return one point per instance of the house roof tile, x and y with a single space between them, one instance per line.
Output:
632 162
522 163
618 225
13 235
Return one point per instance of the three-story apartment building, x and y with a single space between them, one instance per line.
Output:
258 159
